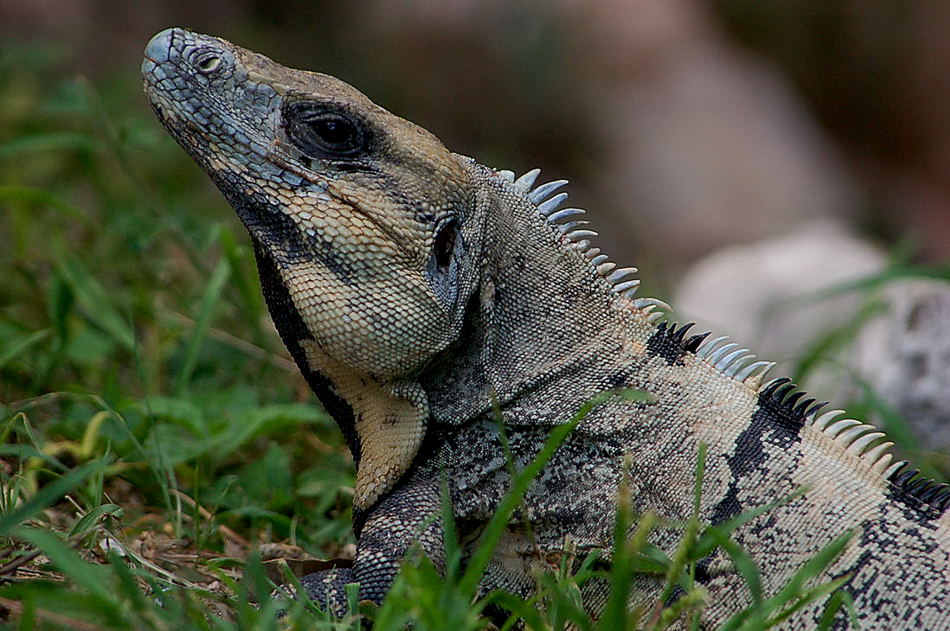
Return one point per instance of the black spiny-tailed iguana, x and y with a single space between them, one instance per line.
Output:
414 286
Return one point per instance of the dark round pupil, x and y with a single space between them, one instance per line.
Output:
334 131
320 132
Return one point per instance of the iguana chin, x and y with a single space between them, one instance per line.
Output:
416 288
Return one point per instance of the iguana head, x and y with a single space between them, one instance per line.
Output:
318 172
360 217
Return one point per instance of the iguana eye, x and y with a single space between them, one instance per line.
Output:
208 63
322 132
206 60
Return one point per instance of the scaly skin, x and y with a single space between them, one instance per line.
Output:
413 285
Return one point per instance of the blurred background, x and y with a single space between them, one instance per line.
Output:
684 125
779 170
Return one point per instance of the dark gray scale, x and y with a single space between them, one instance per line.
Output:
777 420
873 582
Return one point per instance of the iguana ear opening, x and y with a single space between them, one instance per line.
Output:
442 268
443 247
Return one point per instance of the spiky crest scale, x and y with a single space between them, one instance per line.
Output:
923 489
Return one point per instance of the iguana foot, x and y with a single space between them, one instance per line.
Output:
328 589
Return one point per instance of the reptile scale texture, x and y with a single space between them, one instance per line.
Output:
413 286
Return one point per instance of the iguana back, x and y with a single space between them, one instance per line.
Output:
418 291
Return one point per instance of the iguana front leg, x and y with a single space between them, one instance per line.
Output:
408 517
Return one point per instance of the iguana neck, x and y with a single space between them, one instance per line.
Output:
540 315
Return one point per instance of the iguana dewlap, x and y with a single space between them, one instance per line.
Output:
416 288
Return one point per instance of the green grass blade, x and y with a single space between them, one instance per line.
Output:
519 486
131 593
507 507
743 562
40 197
707 543
209 301
22 344
793 597
88 521
681 557
48 142
87 575
835 338
807 597
98 305
813 568
48 495
526 610
244 276
841 599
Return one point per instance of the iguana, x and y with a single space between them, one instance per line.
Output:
417 289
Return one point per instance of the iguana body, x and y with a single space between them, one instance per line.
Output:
414 287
